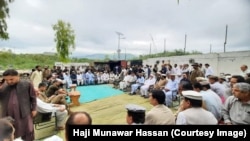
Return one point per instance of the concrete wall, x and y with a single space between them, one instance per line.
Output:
228 62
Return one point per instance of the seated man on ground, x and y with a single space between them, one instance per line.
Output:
232 113
170 89
116 82
184 79
183 86
55 89
135 114
193 112
54 99
144 88
66 79
159 114
233 80
79 78
49 79
99 77
139 82
59 110
158 76
161 83
224 82
217 87
111 77
211 100
124 83
105 77
131 80
90 78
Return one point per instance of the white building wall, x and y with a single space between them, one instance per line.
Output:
227 63
63 65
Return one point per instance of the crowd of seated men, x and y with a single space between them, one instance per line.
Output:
223 96
82 76
219 98
134 79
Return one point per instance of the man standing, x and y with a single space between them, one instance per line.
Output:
37 76
18 101
244 71
208 70
196 72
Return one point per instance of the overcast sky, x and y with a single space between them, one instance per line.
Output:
142 22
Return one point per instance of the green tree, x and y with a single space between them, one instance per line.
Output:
4 13
65 40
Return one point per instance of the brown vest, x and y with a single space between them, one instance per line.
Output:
26 98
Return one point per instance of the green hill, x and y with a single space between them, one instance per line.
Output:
25 61
29 61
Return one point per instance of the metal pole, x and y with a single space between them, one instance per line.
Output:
125 54
225 40
210 48
165 45
118 50
185 43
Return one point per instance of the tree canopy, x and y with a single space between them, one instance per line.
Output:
65 40
4 13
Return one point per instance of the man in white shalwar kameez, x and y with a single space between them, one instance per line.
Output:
170 89
144 88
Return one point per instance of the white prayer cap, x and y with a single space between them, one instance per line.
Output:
172 74
192 95
204 83
201 79
163 74
135 108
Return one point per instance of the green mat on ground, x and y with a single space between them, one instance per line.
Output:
95 92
